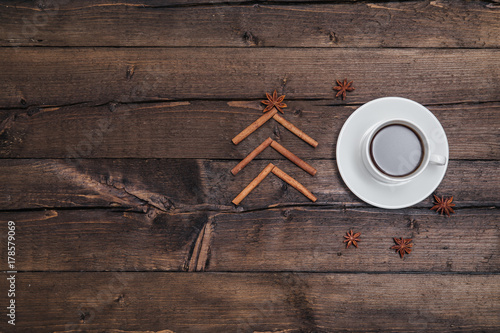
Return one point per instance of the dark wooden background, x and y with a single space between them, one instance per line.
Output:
115 128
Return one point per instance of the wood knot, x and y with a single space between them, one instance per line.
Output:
32 111
130 72
84 315
277 133
284 81
333 37
112 106
120 298
414 225
167 203
284 187
287 214
250 39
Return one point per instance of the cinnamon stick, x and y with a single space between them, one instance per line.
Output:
251 156
295 130
253 126
292 157
253 184
278 172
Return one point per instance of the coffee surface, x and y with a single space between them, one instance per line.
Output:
396 150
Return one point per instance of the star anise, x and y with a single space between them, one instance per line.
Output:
274 102
402 246
443 205
343 88
352 238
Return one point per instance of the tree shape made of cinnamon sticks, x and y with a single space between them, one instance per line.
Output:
273 105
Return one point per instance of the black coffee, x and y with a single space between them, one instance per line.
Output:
396 150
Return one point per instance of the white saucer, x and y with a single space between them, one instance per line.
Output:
355 174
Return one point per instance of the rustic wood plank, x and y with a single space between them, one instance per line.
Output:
204 129
197 185
312 240
136 184
285 239
464 24
102 75
474 184
99 240
257 303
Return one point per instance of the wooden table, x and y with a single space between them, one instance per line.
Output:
116 119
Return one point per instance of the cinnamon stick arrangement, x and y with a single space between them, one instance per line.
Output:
281 174
292 157
253 184
254 126
273 105
291 127
279 148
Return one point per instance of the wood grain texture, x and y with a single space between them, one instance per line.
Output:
140 185
279 239
97 240
191 302
116 119
204 129
162 23
179 186
102 75
312 240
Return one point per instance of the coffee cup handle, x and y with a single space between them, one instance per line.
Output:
437 159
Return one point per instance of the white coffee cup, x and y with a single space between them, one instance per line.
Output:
397 150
